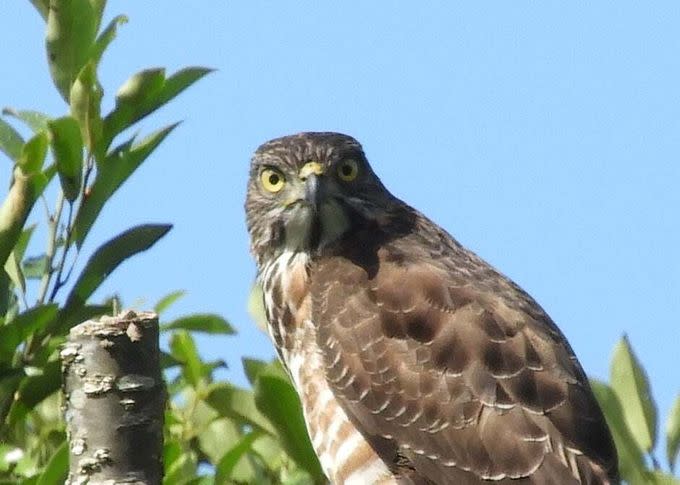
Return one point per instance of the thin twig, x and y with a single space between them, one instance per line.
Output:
59 282
46 205
89 166
24 300
51 248
73 265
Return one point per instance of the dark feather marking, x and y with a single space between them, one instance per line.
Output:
492 328
421 328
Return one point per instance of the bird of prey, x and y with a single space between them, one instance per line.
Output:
415 361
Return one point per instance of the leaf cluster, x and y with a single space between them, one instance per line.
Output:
82 157
630 410
217 432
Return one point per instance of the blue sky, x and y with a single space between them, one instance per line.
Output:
544 136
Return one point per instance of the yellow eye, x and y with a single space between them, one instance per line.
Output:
272 180
348 170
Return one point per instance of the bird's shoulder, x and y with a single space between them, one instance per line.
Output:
427 344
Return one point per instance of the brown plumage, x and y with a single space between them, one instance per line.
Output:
416 361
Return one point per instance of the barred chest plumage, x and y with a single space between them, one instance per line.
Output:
345 455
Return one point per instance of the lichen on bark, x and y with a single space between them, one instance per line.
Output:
114 399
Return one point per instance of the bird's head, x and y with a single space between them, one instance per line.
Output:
308 190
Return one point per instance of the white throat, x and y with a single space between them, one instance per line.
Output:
331 218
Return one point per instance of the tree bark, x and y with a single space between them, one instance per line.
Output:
114 400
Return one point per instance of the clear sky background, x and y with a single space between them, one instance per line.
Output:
545 136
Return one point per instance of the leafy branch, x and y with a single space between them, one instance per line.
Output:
81 149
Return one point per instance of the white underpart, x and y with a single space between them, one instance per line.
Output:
348 447
332 453
373 472
340 444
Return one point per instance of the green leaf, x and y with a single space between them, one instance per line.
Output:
98 7
13 269
35 267
107 258
631 461
213 365
25 190
10 140
252 368
22 242
35 120
57 468
180 463
167 361
296 476
181 80
7 296
86 97
201 322
22 326
42 6
33 390
629 382
256 307
199 417
660 478
201 480
9 383
239 404
183 348
145 92
276 398
9 455
165 302
106 37
115 170
134 100
67 147
71 30
33 153
181 469
216 435
268 449
673 434
226 465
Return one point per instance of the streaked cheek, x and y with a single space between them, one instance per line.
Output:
272 222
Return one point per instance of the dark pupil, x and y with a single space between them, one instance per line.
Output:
347 170
274 179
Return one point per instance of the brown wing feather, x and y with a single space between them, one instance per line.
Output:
468 386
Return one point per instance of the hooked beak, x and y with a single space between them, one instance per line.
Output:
311 174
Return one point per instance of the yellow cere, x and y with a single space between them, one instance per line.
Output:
311 168
272 180
348 170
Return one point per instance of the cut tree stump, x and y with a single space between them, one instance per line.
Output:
114 400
